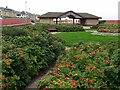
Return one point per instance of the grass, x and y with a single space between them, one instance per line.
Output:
72 38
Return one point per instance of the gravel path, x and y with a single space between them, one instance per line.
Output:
94 32
32 85
54 32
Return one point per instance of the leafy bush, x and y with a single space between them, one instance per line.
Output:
23 57
95 27
112 28
13 31
86 65
62 27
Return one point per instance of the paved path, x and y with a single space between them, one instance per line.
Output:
94 32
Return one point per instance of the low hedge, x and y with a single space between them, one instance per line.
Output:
25 55
62 27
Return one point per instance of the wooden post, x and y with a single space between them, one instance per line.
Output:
56 21
60 21
73 21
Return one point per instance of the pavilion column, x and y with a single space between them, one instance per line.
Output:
80 21
73 21
56 20
60 21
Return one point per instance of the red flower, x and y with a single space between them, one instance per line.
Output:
74 83
50 72
47 88
87 72
67 65
90 49
106 61
91 87
93 54
18 48
21 56
67 78
92 80
38 86
81 79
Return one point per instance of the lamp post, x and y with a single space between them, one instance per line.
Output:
25 11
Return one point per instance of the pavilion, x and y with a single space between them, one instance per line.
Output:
84 19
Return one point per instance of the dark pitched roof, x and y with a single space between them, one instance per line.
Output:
87 15
51 14
57 14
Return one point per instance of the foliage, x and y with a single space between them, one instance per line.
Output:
112 28
13 31
24 55
86 65
62 27
95 26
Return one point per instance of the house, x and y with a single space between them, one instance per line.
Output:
6 12
70 17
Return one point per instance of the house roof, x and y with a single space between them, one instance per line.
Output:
51 14
58 14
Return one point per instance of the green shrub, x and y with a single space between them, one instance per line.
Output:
95 27
112 28
86 66
13 31
62 27
24 57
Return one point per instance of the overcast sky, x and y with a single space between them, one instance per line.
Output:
107 9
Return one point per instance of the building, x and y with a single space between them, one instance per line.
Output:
70 17
6 12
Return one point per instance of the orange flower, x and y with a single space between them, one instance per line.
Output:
73 65
86 82
78 56
92 68
57 70
71 74
67 65
7 62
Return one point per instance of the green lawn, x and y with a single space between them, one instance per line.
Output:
72 38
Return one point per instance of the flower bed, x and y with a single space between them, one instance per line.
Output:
90 66
26 51
111 28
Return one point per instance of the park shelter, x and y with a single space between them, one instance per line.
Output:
84 19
